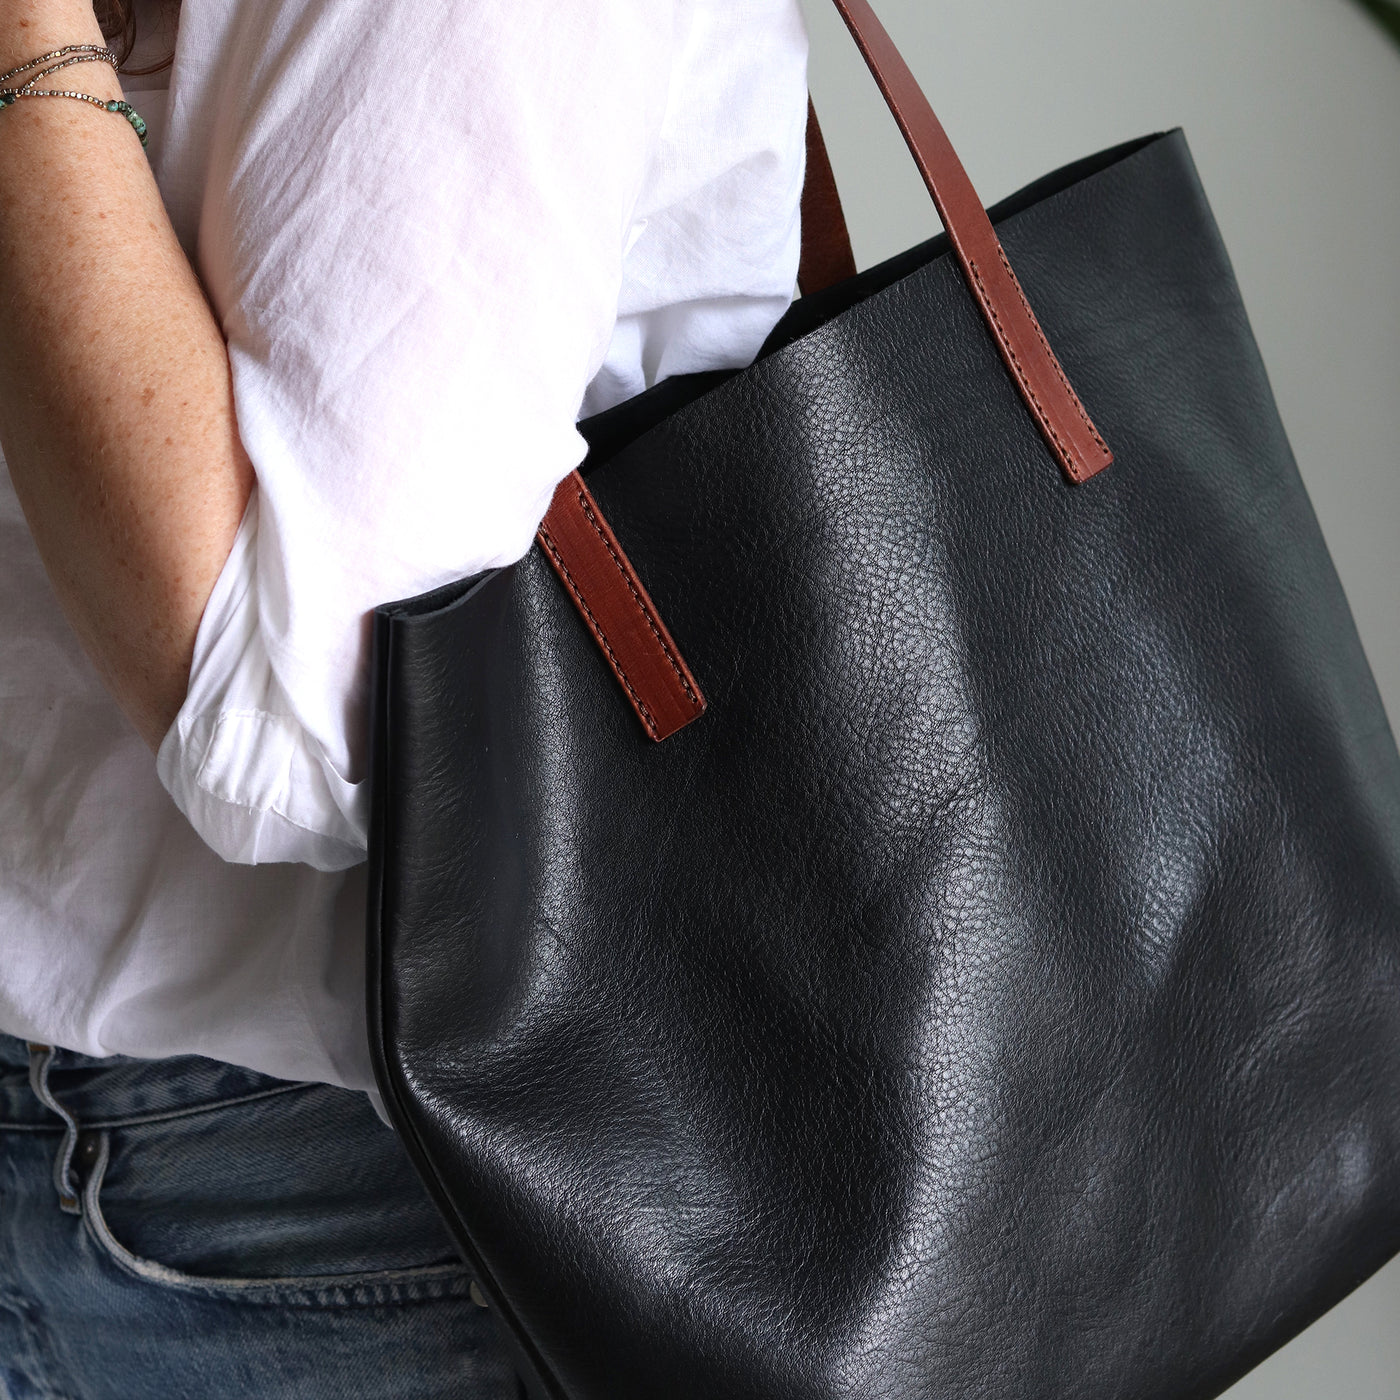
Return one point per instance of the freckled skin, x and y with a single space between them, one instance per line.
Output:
116 412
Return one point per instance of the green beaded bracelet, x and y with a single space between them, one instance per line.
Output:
132 115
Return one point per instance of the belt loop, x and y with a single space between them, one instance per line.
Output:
41 1058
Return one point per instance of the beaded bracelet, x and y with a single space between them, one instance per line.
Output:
67 56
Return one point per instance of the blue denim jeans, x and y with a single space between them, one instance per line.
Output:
185 1230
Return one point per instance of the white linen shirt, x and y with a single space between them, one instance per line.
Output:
435 235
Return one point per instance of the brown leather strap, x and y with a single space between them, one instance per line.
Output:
826 241
575 537
1067 428
624 621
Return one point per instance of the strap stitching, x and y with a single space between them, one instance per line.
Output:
1054 359
1066 453
626 574
595 626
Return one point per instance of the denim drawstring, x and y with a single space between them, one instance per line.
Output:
41 1058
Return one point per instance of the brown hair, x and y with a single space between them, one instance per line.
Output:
118 21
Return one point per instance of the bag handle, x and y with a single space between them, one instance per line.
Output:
577 540
1067 428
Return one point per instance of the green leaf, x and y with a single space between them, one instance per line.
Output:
1386 13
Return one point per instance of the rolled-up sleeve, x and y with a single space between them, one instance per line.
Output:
413 225
238 760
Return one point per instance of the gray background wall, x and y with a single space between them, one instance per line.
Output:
1292 108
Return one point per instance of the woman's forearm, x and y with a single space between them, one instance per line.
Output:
116 412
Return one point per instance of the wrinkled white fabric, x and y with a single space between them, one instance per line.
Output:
435 235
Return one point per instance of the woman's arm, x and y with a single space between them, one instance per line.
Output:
116 414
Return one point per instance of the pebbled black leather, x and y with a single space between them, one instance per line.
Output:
997 993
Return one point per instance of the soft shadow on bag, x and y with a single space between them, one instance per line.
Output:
889 898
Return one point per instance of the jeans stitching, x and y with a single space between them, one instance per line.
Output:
40 1062
424 1283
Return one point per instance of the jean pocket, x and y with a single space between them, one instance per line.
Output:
273 1205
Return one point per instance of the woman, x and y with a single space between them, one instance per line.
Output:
329 354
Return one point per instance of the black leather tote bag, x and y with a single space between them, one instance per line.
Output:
995 992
